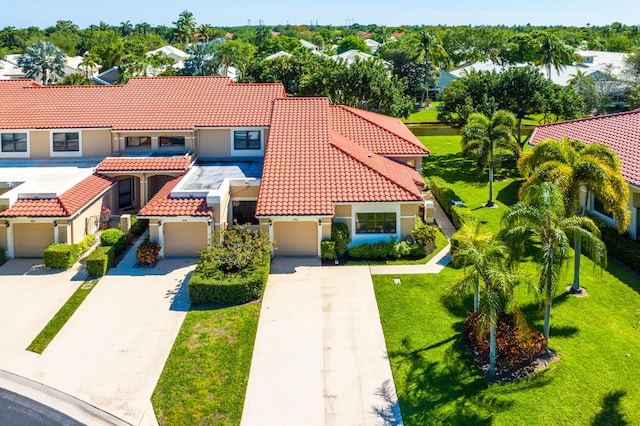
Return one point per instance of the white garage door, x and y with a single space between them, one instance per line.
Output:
30 239
184 239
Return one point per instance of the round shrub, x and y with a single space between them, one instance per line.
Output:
341 236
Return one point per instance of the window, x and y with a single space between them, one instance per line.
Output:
66 142
599 207
138 141
171 141
375 223
14 142
245 212
247 139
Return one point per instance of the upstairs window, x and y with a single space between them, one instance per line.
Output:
14 142
247 140
66 142
138 141
244 212
170 141
375 223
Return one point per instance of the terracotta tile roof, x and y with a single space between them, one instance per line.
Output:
66 204
308 167
129 164
163 205
620 132
378 133
159 103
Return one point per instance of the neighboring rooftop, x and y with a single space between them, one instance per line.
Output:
209 175
620 132
163 204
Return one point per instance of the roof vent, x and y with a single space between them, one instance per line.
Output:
369 155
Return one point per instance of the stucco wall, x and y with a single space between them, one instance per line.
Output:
244 191
96 143
40 141
79 224
214 143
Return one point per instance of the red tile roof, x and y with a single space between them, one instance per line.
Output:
121 164
66 204
620 132
378 133
159 103
163 205
308 167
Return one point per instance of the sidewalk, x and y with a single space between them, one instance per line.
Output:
437 262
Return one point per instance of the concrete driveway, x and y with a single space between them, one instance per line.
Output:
320 356
112 351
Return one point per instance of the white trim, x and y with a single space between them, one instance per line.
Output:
374 208
77 153
247 152
25 154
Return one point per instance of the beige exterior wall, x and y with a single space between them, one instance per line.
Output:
30 239
184 239
154 234
406 226
82 225
96 143
342 210
214 143
296 238
40 141
244 191
326 228
408 209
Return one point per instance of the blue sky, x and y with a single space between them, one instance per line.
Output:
334 12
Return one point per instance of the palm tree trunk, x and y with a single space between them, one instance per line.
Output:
476 295
520 131
492 344
577 249
548 301
490 202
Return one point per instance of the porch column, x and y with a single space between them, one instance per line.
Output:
10 245
56 237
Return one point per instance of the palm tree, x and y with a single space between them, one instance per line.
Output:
206 32
43 59
549 51
125 28
573 166
482 256
90 61
539 219
235 53
482 136
434 57
185 25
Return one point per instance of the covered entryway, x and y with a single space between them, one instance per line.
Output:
184 238
30 239
296 238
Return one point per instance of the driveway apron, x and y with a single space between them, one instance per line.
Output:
320 356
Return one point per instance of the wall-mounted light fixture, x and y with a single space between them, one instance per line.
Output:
7 224
269 222
159 223
320 222
55 223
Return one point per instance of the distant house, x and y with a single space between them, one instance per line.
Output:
373 45
309 45
178 56
10 70
621 133
278 55
350 56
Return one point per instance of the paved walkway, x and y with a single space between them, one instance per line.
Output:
111 352
320 356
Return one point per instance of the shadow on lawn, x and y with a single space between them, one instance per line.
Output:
611 413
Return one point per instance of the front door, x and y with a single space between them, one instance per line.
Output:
125 193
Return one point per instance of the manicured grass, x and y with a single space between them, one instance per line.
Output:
595 381
441 242
61 317
205 377
469 186
429 115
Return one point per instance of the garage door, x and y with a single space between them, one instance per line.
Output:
30 239
296 238
184 239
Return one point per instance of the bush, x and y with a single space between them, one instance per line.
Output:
61 256
328 249
370 251
147 252
3 257
86 243
442 193
460 216
100 260
116 238
229 288
401 249
341 237
622 248
423 233
138 226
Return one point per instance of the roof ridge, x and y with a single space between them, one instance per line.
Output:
352 110
597 117
371 167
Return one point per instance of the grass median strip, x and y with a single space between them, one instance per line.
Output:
61 317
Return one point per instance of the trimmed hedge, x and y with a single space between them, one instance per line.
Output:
341 237
386 250
328 249
622 248
100 260
444 194
63 256
116 238
229 288
138 226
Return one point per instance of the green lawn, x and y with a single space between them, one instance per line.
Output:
595 381
429 115
61 317
205 377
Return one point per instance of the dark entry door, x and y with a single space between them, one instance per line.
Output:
125 193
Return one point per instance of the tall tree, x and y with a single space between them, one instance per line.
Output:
482 136
574 166
482 256
434 56
549 51
43 60
539 220
185 26
236 53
